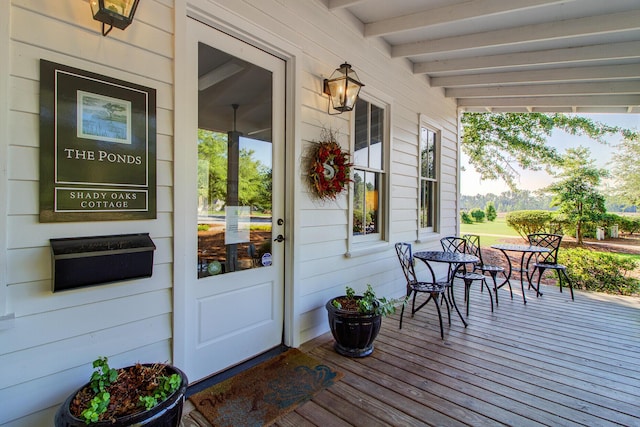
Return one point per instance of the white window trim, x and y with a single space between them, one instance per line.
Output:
428 234
378 242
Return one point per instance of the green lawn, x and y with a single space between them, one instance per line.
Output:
489 232
493 232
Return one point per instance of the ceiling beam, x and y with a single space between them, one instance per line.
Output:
553 101
616 87
449 14
600 52
341 4
609 72
220 74
593 25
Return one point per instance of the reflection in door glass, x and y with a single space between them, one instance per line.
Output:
234 230
234 164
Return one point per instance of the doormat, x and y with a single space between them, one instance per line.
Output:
258 396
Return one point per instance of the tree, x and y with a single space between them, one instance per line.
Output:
477 214
254 181
494 142
576 192
490 211
626 170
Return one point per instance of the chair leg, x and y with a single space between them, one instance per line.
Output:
494 275
568 282
401 314
435 301
484 281
559 279
448 304
467 287
541 270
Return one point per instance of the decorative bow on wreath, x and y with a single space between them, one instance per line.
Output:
330 168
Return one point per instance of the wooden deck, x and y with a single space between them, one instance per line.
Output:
553 362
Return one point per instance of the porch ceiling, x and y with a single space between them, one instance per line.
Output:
517 55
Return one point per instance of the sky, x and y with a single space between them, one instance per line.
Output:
531 180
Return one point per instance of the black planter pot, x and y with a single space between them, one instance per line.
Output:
166 414
353 332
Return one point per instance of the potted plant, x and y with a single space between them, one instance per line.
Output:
141 395
355 320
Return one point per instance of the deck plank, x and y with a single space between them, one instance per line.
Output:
553 361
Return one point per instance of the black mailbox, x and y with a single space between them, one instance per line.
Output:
87 261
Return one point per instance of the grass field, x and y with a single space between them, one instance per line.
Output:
493 232
490 232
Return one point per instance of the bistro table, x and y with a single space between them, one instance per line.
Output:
523 268
454 259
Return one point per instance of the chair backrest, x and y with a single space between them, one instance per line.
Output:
453 244
459 245
473 246
403 250
551 241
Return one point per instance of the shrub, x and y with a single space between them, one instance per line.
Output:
477 214
529 222
466 218
490 211
203 227
629 225
597 271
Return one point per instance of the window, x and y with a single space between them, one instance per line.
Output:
429 152
369 176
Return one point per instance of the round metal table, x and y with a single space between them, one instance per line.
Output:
523 268
452 258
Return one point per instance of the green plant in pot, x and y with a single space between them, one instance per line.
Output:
355 320
141 395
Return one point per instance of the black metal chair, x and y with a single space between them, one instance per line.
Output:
435 289
473 248
458 244
549 260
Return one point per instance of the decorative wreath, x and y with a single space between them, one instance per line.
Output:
330 168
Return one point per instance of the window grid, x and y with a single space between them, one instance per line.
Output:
368 169
428 178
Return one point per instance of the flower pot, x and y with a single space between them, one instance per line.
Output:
167 413
353 332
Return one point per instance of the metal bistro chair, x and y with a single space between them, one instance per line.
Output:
473 248
435 289
549 260
458 244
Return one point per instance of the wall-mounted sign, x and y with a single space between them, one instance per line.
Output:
97 147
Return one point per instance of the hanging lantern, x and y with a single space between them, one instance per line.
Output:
114 13
343 88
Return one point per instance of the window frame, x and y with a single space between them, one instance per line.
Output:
426 232
362 245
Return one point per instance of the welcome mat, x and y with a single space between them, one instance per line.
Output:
258 396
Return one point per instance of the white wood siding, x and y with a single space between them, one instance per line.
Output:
48 352
325 41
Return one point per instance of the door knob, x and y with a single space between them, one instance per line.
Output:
280 238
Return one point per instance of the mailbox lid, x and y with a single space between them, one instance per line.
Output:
82 247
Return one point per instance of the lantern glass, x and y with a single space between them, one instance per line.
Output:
116 13
343 87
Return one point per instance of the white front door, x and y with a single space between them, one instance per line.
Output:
234 290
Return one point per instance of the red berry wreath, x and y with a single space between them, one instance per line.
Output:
330 169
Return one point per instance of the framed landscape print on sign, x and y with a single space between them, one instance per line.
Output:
97 147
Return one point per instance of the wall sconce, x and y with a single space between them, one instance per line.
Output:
342 87
114 13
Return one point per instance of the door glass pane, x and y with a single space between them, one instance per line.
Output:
234 164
